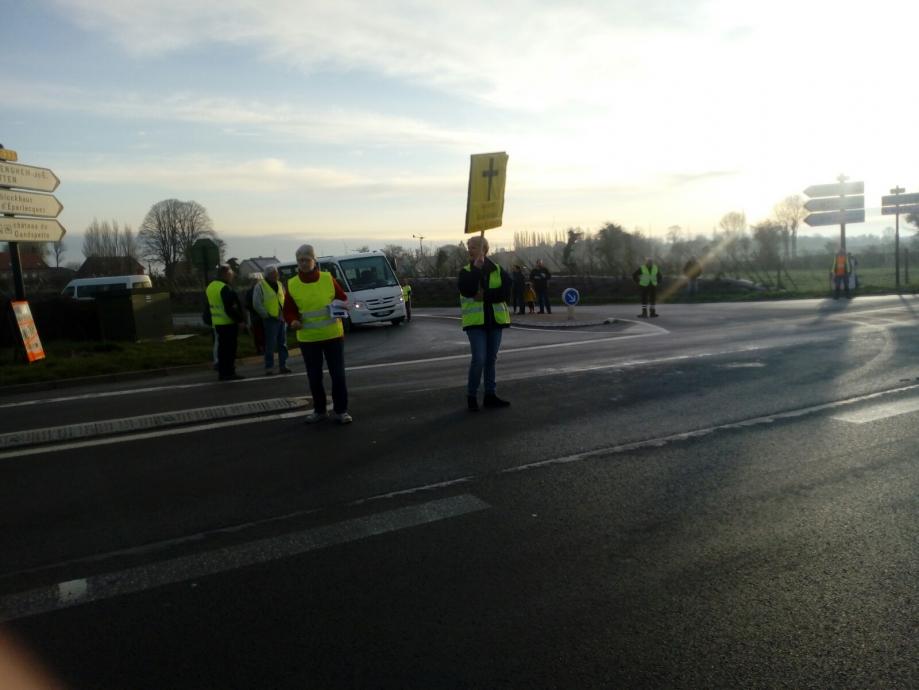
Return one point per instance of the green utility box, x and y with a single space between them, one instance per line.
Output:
134 315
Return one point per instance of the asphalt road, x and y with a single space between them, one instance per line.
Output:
727 496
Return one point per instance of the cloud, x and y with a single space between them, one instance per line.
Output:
267 175
329 125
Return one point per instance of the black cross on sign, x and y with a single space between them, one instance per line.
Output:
490 173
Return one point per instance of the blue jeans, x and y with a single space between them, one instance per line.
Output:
484 345
333 351
542 301
275 339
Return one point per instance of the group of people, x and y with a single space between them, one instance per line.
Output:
485 291
529 294
305 306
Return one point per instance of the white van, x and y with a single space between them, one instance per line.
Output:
368 279
88 288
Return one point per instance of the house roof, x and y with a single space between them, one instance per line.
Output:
256 264
29 262
98 266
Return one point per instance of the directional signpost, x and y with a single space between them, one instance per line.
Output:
27 177
29 204
895 204
26 217
833 204
30 230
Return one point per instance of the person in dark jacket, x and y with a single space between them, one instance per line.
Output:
227 314
520 280
484 289
540 277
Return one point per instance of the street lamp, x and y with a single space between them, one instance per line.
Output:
420 239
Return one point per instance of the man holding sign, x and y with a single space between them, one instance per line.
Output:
484 287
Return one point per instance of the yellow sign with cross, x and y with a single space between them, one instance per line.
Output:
485 203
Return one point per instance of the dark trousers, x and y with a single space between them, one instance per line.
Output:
519 305
648 295
841 282
226 349
333 351
542 300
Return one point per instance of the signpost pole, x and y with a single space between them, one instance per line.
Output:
842 204
16 265
897 191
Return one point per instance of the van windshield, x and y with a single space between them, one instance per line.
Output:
366 273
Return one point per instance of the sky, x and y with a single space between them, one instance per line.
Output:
351 123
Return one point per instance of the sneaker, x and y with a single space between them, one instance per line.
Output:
472 403
284 370
314 417
341 418
492 400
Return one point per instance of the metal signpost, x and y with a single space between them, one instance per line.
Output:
571 297
26 217
895 204
845 203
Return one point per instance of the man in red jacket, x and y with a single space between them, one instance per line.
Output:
320 334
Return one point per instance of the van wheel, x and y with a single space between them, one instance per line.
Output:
396 322
346 324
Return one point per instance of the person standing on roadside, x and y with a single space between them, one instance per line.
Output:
519 284
226 316
268 298
308 310
484 289
839 273
407 298
648 276
540 277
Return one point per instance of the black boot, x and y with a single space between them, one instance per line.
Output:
472 403
654 313
492 400
644 313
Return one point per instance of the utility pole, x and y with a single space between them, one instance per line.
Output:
420 239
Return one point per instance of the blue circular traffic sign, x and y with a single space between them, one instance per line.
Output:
571 297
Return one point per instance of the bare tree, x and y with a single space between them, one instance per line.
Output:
734 223
58 249
790 212
107 239
169 230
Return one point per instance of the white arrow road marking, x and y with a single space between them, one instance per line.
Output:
82 591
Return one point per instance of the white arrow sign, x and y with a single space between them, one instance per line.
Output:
28 204
27 177
30 230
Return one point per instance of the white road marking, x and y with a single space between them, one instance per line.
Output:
222 560
157 420
882 411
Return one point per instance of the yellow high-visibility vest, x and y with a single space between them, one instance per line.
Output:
313 300
218 312
273 301
473 312
648 276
